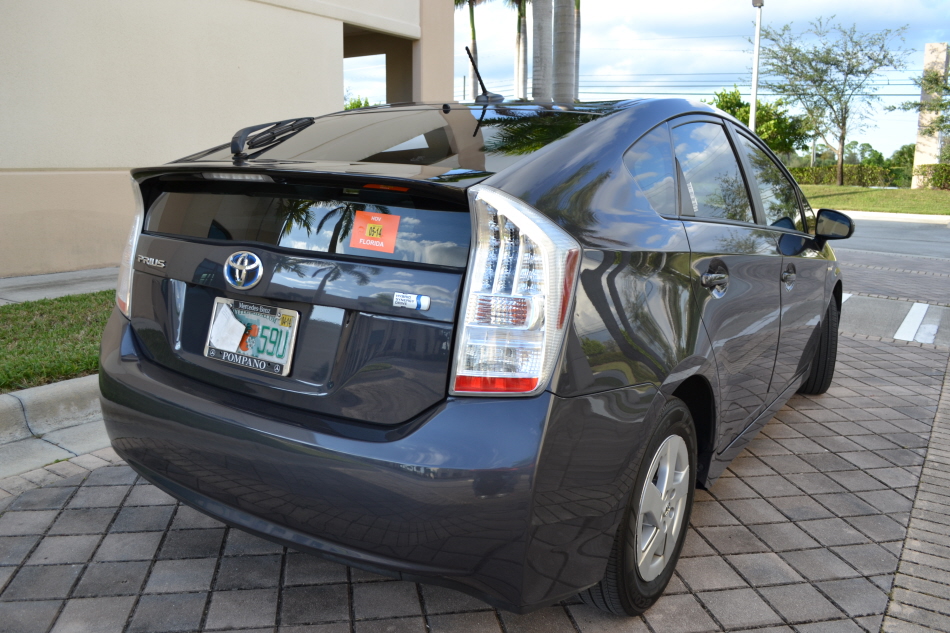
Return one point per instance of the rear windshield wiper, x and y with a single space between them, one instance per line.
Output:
273 132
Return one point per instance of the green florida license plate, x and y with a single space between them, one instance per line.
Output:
252 335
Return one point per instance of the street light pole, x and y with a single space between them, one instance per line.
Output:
755 61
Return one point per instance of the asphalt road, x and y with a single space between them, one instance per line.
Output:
921 236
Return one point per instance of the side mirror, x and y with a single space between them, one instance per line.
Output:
833 225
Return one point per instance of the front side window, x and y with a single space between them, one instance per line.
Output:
650 161
714 187
779 201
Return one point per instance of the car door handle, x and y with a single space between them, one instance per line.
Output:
788 277
711 280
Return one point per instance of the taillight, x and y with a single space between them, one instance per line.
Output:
519 289
123 290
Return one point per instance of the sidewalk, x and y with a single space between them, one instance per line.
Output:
33 287
46 424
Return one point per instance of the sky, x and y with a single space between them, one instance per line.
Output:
694 47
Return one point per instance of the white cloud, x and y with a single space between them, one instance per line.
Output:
635 48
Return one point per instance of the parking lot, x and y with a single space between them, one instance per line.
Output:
836 518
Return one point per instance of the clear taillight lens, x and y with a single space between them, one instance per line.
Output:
123 290
519 288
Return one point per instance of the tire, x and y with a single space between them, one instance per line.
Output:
630 587
823 365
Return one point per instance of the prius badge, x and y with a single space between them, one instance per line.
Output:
243 270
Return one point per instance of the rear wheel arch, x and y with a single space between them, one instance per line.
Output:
698 395
625 589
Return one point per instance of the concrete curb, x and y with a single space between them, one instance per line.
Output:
13 425
899 217
37 411
46 425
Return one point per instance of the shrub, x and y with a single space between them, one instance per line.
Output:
854 175
934 176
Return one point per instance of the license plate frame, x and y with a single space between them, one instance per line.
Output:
256 312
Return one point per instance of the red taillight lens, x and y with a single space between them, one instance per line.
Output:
488 384
123 289
568 291
518 292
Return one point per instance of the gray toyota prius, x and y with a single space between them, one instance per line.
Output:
494 347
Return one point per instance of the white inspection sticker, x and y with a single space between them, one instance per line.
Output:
414 302
692 198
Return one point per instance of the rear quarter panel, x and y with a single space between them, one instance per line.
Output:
635 337
633 320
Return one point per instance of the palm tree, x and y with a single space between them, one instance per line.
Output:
542 47
521 47
564 51
343 225
577 49
332 271
295 213
523 132
473 82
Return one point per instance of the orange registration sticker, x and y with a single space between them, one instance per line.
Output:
375 231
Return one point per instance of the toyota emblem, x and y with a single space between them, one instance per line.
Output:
243 270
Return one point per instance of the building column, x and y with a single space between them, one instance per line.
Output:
398 52
936 57
433 55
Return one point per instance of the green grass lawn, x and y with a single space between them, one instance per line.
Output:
925 201
51 339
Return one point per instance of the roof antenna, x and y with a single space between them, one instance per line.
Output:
485 97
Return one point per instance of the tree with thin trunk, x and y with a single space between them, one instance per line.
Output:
564 51
936 86
828 70
577 50
542 47
782 132
521 47
473 88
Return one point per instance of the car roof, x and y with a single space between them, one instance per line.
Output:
456 144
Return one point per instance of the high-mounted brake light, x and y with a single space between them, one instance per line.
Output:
385 187
225 175
517 296
123 290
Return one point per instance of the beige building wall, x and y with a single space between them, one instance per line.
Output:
927 151
91 89
59 220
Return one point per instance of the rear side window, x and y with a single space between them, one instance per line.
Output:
345 224
713 183
650 161
779 201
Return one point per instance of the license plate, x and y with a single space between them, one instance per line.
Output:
252 335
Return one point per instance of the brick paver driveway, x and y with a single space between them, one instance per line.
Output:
805 530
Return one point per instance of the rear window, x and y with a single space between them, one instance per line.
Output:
379 225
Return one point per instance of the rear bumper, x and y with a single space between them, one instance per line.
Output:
502 498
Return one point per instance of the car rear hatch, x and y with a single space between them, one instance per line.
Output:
335 294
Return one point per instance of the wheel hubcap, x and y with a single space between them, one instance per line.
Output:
660 514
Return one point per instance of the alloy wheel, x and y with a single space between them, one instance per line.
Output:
661 510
